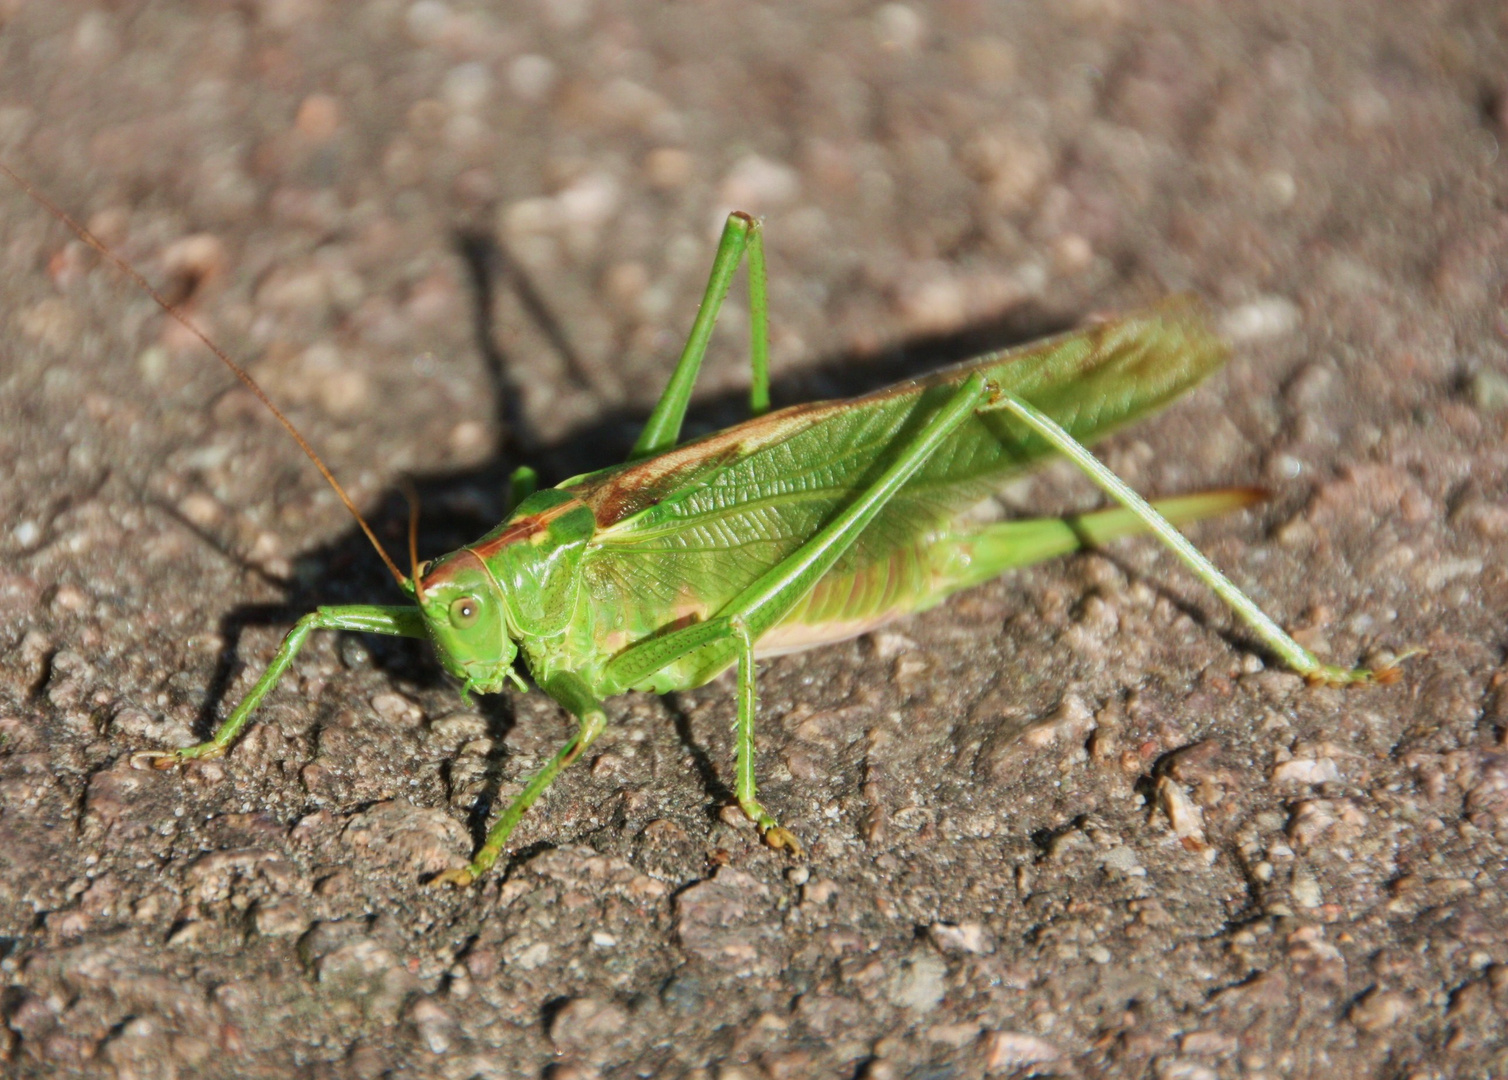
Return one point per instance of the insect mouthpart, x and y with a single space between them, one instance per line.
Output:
489 679
493 682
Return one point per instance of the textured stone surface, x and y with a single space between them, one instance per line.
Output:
1069 822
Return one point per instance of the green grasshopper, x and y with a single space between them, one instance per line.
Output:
800 527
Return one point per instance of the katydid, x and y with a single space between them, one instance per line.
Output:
799 527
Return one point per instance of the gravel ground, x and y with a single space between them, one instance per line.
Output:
1068 823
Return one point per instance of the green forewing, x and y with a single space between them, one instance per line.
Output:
681 533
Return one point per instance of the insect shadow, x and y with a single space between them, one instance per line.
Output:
460 505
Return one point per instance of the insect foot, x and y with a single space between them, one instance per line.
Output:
783 840
167 760
1334 675
460 877
161 760
1386 675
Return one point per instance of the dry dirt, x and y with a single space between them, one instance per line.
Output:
449 237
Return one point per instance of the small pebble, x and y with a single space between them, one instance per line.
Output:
920 983
318 117
193 260
1007 1051
900 28
427 20
396 709
1306 771
1183 814
1261 320
585 1021
668 168
286 919
531 77
200 509
1306 890
467 86
1489 390
566 14
758 185
967 937
470 441
418 840
734 816
527 955
437 1031
1379 1010
70 599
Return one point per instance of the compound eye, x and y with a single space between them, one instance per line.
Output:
464 611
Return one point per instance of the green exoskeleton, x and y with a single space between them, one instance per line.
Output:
799 527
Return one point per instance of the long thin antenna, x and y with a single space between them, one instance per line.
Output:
411 496
236 369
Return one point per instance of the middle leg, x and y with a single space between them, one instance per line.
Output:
761 605
744 786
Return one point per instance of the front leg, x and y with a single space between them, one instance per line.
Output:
572 693
359 618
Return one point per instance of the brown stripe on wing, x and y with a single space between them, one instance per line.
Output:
524 530
616 494
1163 349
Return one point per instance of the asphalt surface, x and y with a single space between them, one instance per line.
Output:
1073 822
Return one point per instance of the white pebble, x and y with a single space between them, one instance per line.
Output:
427 19
1306 771
467 86
1306 890
567 14
94 38
1262 319
758 184
589 202
900 27
1185 817
531 76
200 509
